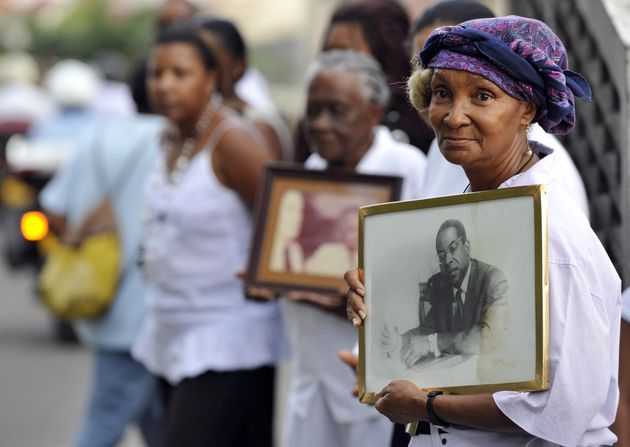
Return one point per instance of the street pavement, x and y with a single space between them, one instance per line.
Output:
43 383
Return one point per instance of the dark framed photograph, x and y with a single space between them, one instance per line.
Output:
457 293
307 225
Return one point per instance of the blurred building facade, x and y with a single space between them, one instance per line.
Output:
283 37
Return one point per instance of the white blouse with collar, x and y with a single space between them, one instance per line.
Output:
584 335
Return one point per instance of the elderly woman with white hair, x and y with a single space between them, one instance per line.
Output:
347 96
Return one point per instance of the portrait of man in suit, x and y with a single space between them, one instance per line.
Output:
462 308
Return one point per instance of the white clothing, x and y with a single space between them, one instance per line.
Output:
584 311
196 239
444 178
388 156
254 90
22 101
308 429
113 99
625 305
317 336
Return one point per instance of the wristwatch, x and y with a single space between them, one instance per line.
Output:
434 418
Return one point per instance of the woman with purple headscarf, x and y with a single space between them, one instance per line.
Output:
483 83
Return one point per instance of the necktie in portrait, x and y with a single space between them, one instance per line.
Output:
458 311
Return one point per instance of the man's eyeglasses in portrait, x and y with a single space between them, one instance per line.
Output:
452 248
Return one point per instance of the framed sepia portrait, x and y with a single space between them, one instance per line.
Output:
457 293
307 224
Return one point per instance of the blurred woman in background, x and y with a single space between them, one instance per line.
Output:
215 349
347 94
379 29
232 52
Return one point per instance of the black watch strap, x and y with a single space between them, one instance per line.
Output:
433 417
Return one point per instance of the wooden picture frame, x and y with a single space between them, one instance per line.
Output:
464 312
306 226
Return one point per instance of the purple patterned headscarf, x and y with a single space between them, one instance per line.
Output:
522 56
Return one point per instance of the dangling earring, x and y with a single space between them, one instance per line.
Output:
527 129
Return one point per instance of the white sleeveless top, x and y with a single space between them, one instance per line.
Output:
196 238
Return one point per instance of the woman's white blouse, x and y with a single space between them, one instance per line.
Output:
625 305
196 239
585 307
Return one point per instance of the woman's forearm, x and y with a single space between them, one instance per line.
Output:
403 402
477 411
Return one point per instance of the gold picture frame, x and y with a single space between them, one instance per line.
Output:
496 337
306 226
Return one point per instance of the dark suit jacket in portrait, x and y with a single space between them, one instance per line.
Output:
484 311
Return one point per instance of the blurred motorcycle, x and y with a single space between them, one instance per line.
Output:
52 115
28 166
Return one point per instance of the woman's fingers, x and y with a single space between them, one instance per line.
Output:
355 309
399 401
354 279
260 293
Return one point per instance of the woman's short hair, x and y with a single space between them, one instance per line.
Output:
188 32
229 34
419 88
374 84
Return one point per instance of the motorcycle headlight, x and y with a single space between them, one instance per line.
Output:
34 226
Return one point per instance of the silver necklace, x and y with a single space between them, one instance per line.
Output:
185 154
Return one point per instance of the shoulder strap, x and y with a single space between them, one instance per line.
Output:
220 130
